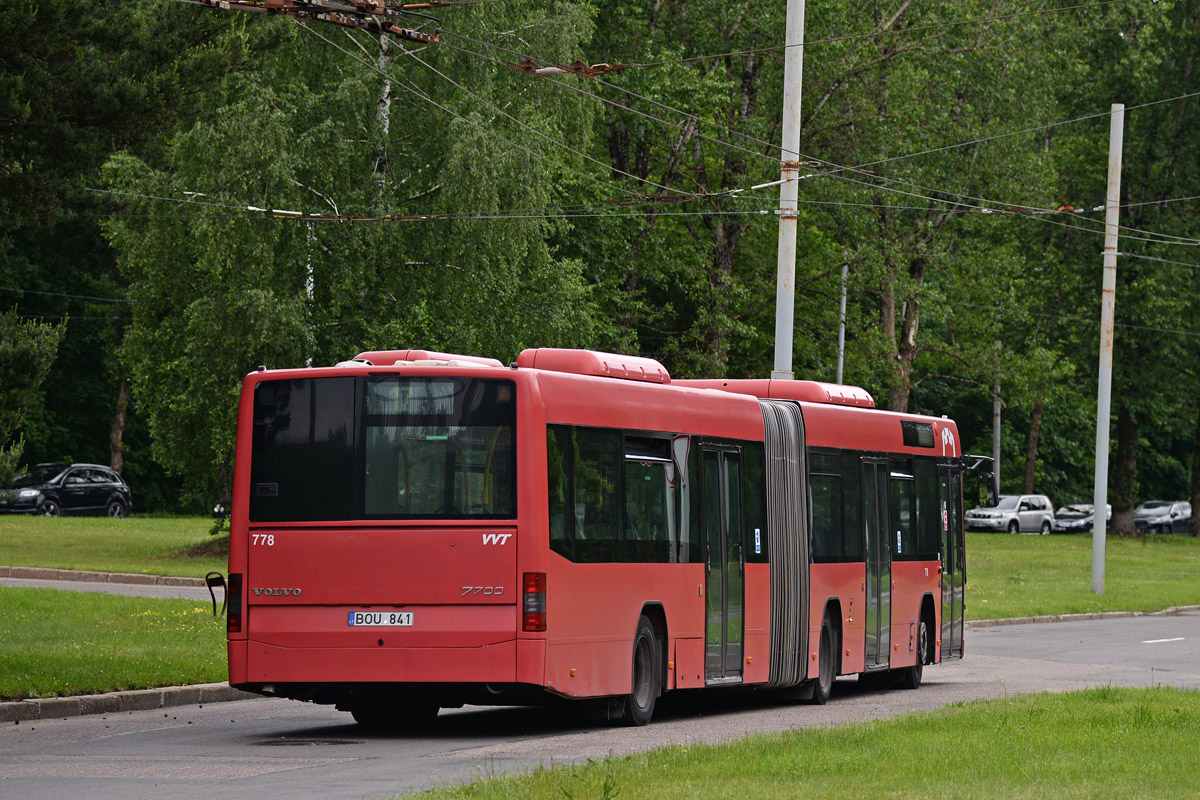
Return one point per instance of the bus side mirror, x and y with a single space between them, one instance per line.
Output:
989 490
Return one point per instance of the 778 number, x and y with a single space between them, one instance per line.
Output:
263 538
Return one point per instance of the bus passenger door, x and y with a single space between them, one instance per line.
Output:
953 562
879 562
724 559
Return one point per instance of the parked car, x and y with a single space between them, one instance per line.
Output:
1077 517
1015 513
1162 516
54 489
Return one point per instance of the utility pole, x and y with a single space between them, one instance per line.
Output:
1108 296
789 190
842 325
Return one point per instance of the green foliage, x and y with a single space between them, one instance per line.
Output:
1032 746
217 292
64 643
27 349
147 545
1028 576
596 212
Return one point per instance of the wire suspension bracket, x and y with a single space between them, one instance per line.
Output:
369 15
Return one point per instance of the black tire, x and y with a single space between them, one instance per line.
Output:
638 707
394 716
50 508
1045 527
826 663
910 677
116 509
1014 527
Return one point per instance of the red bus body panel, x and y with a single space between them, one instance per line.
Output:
462 579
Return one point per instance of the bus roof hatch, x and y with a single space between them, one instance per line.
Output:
590 362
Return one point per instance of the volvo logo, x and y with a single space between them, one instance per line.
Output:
277 592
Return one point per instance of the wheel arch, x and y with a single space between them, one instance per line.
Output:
833 610
929 615
657 615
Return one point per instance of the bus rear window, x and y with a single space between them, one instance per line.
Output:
383 448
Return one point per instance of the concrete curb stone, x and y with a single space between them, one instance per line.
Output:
44 574
992 623
119 702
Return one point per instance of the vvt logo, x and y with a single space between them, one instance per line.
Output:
496 538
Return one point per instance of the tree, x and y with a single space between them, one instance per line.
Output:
218 290
27 350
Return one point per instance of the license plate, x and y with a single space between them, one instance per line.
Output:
380 619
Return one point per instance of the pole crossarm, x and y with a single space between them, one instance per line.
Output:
369 15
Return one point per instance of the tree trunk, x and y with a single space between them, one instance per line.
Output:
1124 482
116 457
1194 523
1031 446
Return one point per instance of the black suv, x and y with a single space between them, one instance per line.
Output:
54 489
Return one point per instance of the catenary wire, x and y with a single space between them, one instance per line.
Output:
835 169
456 115
873 35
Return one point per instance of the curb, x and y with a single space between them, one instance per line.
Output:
119 702
41 573
995 623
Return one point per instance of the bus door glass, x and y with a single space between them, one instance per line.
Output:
953 582
879 561
724 559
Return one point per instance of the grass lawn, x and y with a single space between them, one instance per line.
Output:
1100 743
64 643
1019 576
179 546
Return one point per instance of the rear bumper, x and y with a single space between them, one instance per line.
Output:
513 661
266 663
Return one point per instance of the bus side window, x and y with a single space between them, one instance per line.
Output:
598 477
825 486
558 478
647 515
756 538
902 491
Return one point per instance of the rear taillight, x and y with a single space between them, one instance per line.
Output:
233 600
533 617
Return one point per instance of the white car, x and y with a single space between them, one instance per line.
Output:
1015 513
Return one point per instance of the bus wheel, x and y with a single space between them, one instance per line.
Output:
910 677
394 716
647 676
825 662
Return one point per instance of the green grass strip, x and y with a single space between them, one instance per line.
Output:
179 546
58 643
1011 575
1101 743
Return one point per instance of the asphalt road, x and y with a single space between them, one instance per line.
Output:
272 749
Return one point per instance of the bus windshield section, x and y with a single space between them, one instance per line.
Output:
383 448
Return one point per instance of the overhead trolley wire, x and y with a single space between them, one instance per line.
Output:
833 170
496 109
873 35
421 95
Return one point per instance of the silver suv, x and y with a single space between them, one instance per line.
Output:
1015 513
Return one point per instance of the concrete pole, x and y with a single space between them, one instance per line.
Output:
1108 295
996 429
842 325
789 190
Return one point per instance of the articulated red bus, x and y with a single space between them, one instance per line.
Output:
414 531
